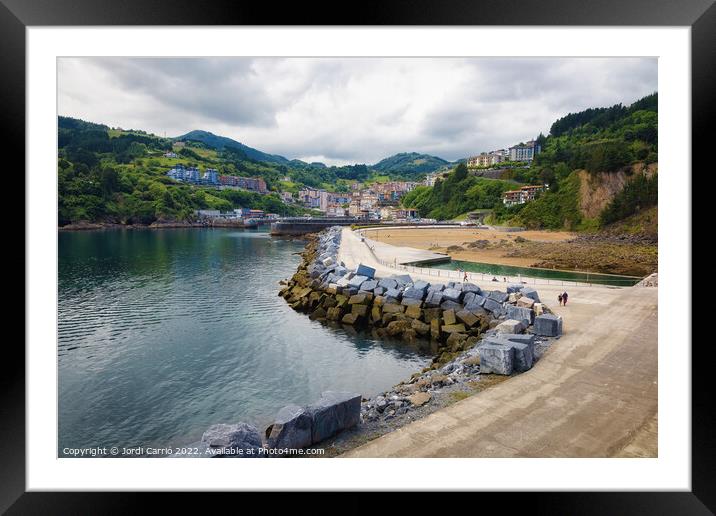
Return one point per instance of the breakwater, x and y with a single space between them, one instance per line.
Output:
472 331
303 226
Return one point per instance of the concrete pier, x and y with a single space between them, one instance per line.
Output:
304 225
592 394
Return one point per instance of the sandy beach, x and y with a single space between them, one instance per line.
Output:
495 248
558 250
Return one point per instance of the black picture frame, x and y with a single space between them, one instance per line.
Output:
700 15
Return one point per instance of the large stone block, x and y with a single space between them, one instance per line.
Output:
393 309
394 293
402 279
434 298
378 291
369 285
357 280
435 328
467 317
343 282
328 261
420 327
335 411
358 299
496 358
523 346
514 287
524 338
475 309
414 311
498 296
431 313
359 310
352 318
450 305
510 326
469 287
421 285
476 301
524 357
291 428
410 301
525 302
531 293
548 325
232 440
454 328
452 294
449 317
376 314
364 270
388 283
526 315
493 306
436 287
415 293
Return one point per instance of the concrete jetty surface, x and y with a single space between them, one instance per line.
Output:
592 394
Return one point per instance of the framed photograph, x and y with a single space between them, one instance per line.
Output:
426 242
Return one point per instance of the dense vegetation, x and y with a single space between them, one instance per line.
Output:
213 141
457 193
599 140
109 175
638 195
410 165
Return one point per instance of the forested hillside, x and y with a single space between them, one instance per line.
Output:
595 143
410 164
117 176
457 193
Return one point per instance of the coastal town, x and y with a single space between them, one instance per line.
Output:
377 201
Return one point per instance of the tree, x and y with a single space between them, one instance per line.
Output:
460 172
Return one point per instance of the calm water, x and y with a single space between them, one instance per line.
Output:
511 271
164 333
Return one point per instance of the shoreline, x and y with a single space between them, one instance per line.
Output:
102 226
460 330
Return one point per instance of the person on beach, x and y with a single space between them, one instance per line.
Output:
564 298
464 277
559 298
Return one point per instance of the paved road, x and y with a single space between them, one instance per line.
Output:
593 393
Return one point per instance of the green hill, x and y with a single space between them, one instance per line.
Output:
600 165
410 164
117 176
458 193
222 142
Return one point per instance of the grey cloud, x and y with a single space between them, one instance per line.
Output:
221 89
352 109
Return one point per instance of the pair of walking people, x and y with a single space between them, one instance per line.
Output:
562 298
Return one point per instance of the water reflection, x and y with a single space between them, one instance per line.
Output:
163 333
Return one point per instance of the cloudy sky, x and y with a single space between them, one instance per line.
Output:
349 110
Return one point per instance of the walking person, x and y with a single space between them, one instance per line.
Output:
564 297
559 298
464 277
